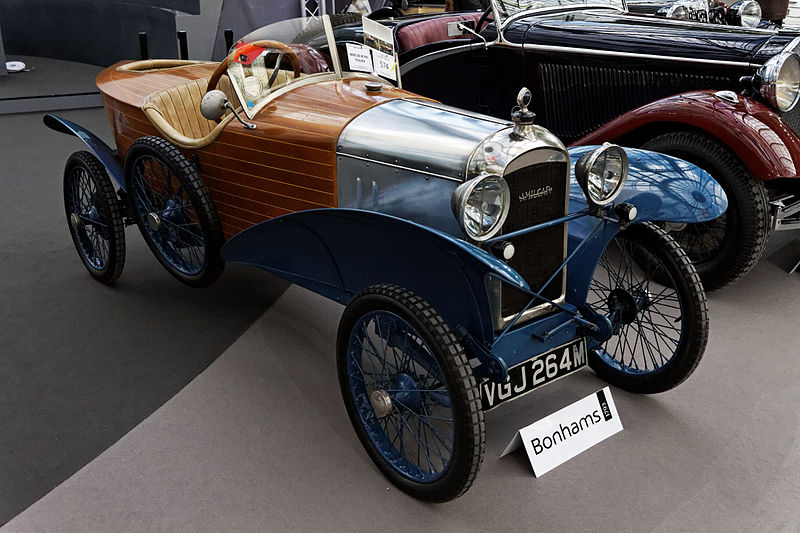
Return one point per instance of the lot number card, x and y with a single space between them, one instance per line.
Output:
564 434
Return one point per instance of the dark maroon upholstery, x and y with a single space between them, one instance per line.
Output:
311 61
431 31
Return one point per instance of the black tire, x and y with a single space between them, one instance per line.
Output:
727 248
664 327
427 336
174 211
94 217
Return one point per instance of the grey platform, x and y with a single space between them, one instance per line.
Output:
52 85
260 442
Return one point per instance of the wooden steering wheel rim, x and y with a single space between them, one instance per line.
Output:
275 45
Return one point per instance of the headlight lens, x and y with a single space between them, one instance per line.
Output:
780 81
481 205
602 172
746 13
677 11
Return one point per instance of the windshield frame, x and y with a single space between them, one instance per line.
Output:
619 5
337 73
308 79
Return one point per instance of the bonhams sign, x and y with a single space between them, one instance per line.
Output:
568 432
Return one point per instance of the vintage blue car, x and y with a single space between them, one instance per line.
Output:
478 258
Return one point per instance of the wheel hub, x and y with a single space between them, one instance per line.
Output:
626 305
153 221
623 305
75 221
381 402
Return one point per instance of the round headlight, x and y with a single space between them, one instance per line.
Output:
481 205
602 172
677 11
746 13
780 81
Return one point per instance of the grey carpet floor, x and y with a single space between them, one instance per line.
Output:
81 364
260 442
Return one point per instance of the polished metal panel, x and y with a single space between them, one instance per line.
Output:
402 192
427 137
504 147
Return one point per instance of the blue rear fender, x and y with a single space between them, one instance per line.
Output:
662 187
101 150
339 252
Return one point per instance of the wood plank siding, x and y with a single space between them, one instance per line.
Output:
288 163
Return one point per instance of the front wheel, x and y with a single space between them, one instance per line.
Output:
648 287
728 247
410 393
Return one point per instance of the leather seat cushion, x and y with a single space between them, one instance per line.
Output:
431 31
177 112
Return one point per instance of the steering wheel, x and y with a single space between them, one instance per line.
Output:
484 18
274 45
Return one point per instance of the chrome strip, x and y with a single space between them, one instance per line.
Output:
421 60
592 51
392 165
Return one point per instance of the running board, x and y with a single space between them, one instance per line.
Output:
785 213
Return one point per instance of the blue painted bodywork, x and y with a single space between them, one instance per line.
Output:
339 252
662 187
101 150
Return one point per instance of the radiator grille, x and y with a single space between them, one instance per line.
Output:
540 253
792 119
580 99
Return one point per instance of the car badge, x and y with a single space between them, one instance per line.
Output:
535 193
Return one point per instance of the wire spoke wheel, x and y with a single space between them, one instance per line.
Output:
647 286
174 212
401 396
702 241
728 247
410 393
172 222
94 217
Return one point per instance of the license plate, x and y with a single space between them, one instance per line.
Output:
533 373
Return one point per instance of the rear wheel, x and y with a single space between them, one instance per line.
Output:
728 247
94 217
648 287
174 212
410 393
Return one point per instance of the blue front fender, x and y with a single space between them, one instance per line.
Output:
662 187
339 252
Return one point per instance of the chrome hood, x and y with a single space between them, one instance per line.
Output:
418 135
436 140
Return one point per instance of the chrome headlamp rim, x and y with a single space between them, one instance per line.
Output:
677 11
585 164
735 12
462 194
770 72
